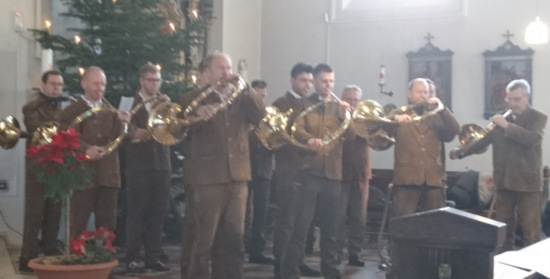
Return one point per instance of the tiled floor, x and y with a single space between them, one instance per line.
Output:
251 271
257 271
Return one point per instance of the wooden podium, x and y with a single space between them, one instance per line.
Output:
444 243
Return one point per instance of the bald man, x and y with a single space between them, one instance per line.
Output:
100 193
215 173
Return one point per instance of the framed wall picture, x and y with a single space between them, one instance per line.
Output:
435 64
508 62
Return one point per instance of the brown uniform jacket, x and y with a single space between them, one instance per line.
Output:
289 158
216 151
316 125
355 160
149 154
40 111
98 129
517 152
418 149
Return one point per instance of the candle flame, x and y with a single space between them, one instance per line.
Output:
158 67
81 71
172 26
48 24
77 39
194 79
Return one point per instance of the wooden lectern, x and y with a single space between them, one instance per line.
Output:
444 243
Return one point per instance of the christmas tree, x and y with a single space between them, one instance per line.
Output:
121 35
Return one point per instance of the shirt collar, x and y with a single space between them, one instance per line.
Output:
294 94
92 104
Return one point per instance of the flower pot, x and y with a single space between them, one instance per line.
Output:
83 271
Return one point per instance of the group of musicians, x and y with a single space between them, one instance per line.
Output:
322 176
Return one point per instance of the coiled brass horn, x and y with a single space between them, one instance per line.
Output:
114 144
10 133
370 122
164 123
272 131
330 138
471 134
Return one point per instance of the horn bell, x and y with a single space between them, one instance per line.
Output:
10 132
164 124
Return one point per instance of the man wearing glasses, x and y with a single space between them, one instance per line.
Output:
517 164
40 214
147 180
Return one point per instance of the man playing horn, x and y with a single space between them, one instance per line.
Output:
97 131
41 215
418 171
216 169
322 175
517 164
147 179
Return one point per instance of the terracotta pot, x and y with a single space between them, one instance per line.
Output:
83 271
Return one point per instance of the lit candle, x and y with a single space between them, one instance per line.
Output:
47 25
47 60
195 14
81 71
158 67
194 79
382 75
77 39
172 26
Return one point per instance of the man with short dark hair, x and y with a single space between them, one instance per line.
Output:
322 175
517 164
288 162
41 215
147 179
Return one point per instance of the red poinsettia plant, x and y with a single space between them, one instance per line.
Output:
94 246
60 165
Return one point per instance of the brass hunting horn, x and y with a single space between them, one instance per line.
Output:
471 134
10 133
112 145
165 124
330 138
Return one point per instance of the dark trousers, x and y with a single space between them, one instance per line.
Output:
523 207
256 215
147 194
214 230
286 186
323 195
101 201
353 209
41 215
408 199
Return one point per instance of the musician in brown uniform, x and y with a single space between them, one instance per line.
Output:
356 172
147 179
322 175
418 171
41 215
288 162
216 169
517 164
97 131
259 191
